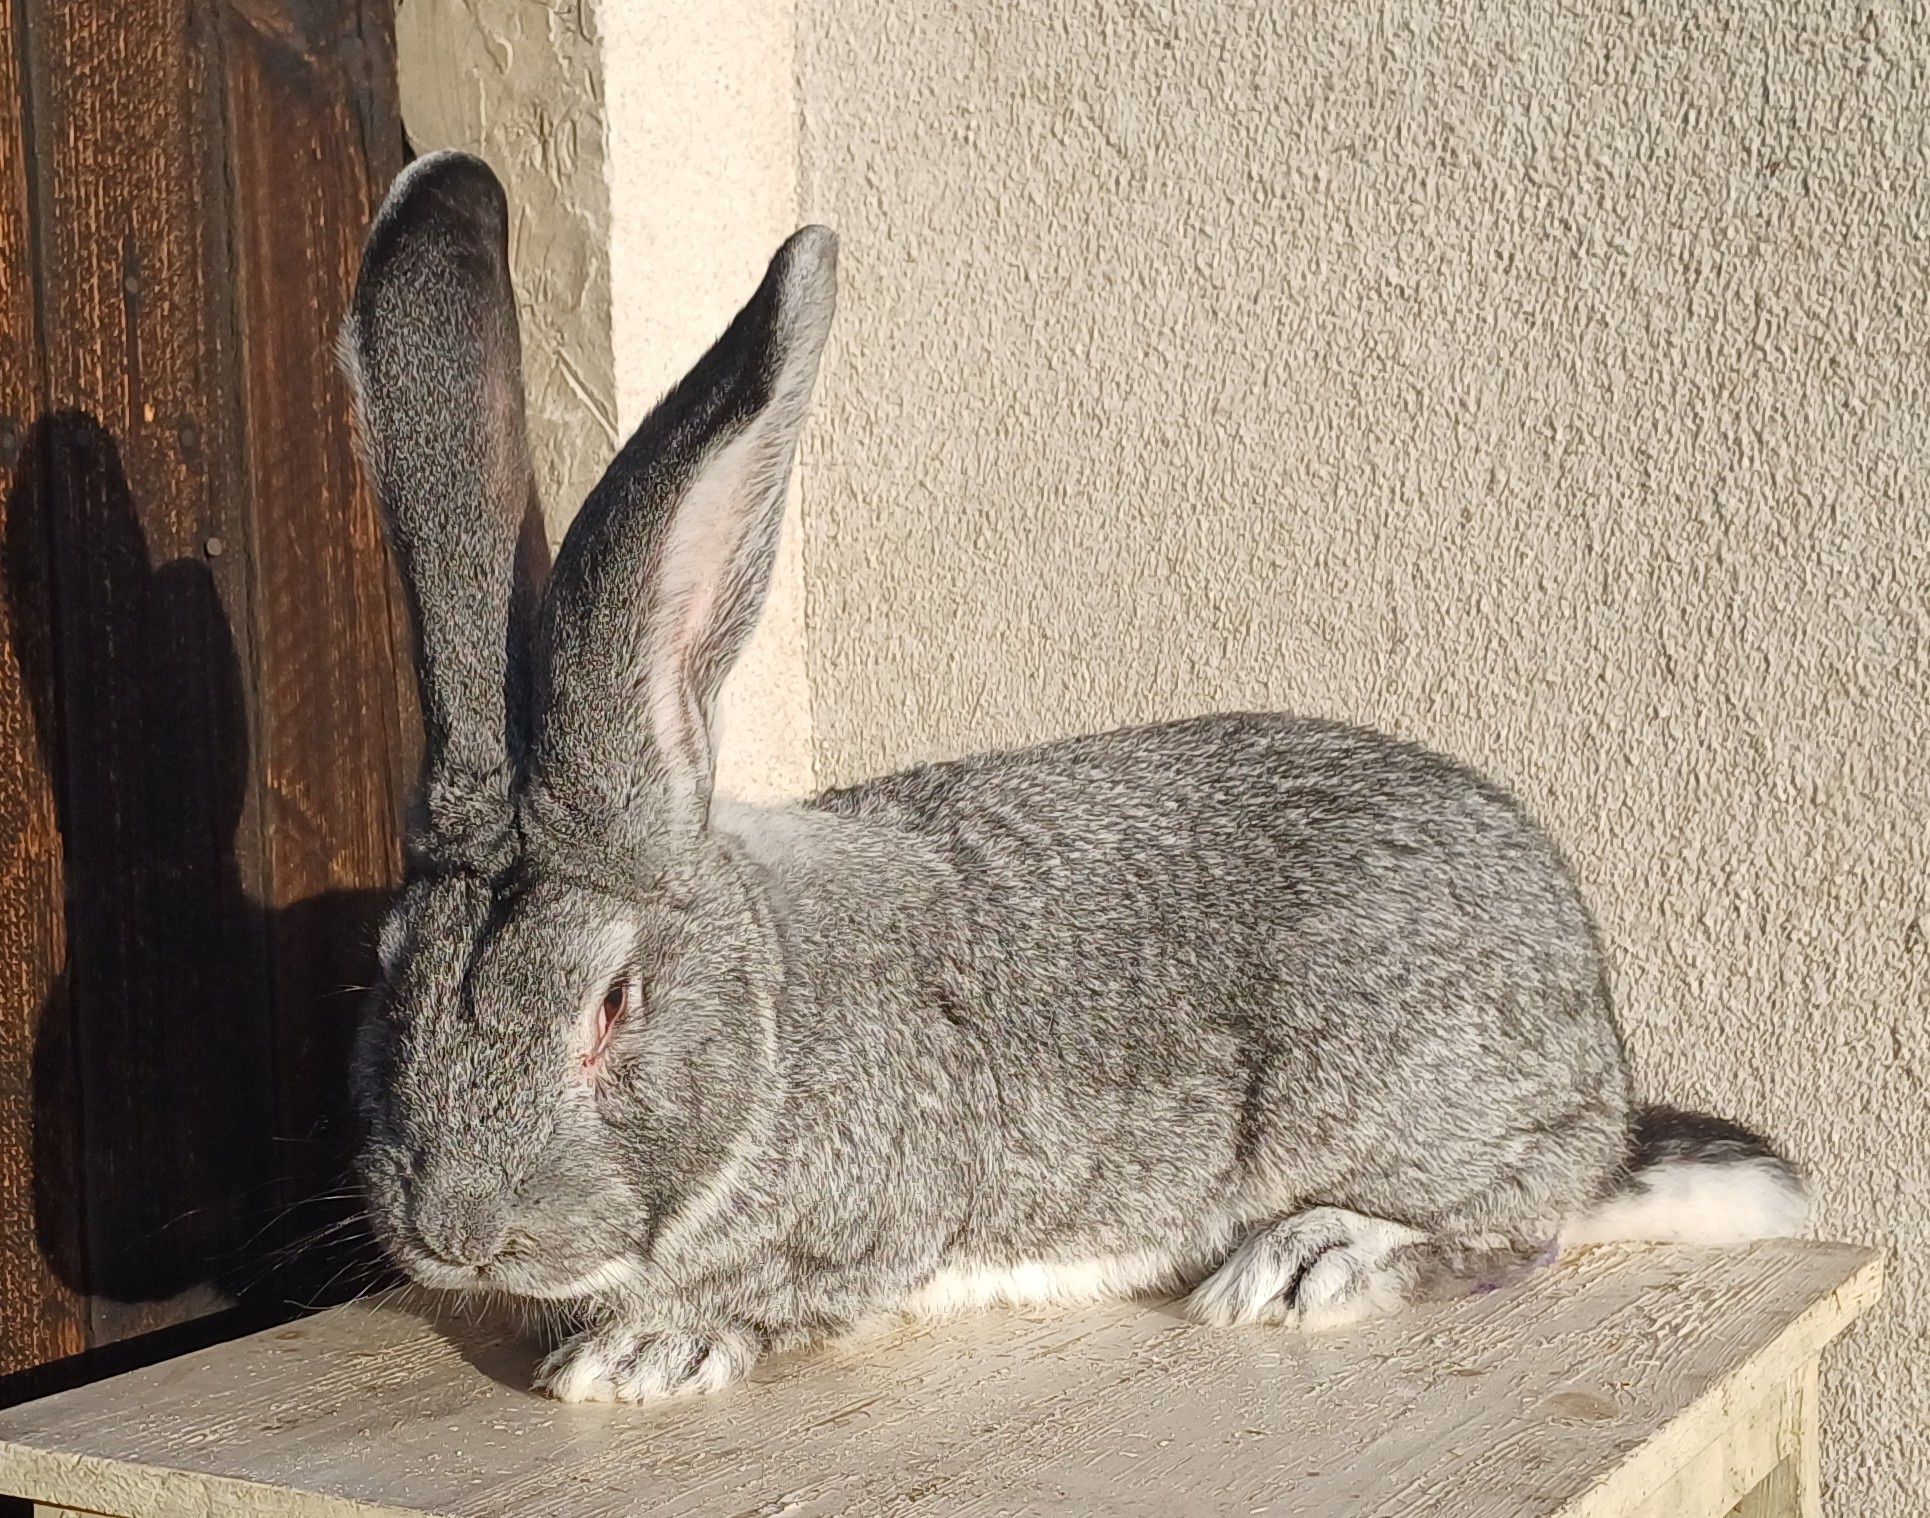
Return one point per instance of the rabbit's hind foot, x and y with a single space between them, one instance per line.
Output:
1322 1268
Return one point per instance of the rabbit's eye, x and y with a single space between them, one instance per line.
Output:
613 1009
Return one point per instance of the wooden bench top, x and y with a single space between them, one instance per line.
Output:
1583 1392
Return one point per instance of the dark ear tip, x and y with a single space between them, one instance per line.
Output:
452 182
454 199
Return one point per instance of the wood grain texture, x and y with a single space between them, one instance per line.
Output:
42 1317
1749 1449
1548 1399
208 737
167 991
313 139
1793 1488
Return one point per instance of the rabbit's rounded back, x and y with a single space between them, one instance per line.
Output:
574 1030
1233 963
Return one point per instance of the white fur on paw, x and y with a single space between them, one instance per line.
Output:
633 1365
1323 1268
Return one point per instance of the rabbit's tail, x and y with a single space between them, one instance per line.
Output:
1696 1179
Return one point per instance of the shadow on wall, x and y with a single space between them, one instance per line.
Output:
168 1075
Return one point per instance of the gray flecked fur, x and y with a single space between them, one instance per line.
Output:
1106 1003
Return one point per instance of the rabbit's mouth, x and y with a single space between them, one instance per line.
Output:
514 1275
614 1276
439 1275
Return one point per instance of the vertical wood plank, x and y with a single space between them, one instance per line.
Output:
313 140
168 992
200 614
1794 1488
42 1315
1808 1458
1776 1497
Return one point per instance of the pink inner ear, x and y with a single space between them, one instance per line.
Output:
679 721
705 538
691 625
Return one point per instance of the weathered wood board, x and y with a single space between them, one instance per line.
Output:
1584 1392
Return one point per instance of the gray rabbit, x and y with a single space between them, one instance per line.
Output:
1293 1016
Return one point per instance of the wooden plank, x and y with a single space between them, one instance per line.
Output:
1793 1489
313 140
1751 1446
168 985
1805 1468
1702 1451
42 1314
1524 1404
1776 1497
219 683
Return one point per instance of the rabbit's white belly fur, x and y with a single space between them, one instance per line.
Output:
1170 1269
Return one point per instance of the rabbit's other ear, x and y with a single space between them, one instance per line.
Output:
662 575
431 348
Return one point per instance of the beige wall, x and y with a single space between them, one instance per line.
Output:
703 187
1542 382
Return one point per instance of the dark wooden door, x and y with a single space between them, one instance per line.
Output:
202 734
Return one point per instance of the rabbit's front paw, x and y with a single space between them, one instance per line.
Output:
1321 1268
619 1363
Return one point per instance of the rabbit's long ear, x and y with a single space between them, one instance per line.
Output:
431 347
664 571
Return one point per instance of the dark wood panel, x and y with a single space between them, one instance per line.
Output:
42 1315
208 728
168 992
313 140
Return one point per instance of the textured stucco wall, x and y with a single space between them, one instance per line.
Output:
1546 383
649 148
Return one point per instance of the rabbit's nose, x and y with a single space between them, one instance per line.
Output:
460 1225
